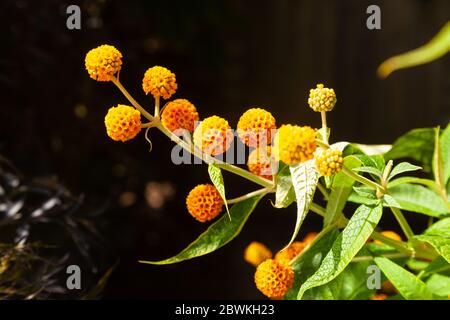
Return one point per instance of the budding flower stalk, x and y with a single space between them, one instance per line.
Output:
256 252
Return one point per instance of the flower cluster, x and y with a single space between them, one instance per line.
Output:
329 161
204 202
256 252
273 278
179 114
255 127
160 82
103 62
260 162
213 136
294 144
322 99
122 123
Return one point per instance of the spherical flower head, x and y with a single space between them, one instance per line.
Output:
179 114
213 136
103 62
256 252
160 82
204 202
287 254
294 144
273 278
260 162
122 123
329 161
310 236
322 99
255 127
391 235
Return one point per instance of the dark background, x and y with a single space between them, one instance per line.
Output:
228 56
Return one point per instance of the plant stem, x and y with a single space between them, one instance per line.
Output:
402 222
190 148
132 100
157 104
323 115
249 195
323 190
400 246
361 179
209 159
389 255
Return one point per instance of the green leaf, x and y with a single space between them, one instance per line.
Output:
340 191
389 201
438 46
439 285
440 228
304 178
373 149
366 192
346 246
284 193
306 263
217 179
407 284
416 144
440 244
445 152
375 161
437 265
419 199
351 284
376 172
425 182
363 195
217 235
403 167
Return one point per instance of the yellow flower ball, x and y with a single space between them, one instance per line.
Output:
287 254
273 278
204 202
213 136
179 114
329 161
160 82
256 252
391 235
310 236
260 162
294 144
122 123
255 127
103 62
322 99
